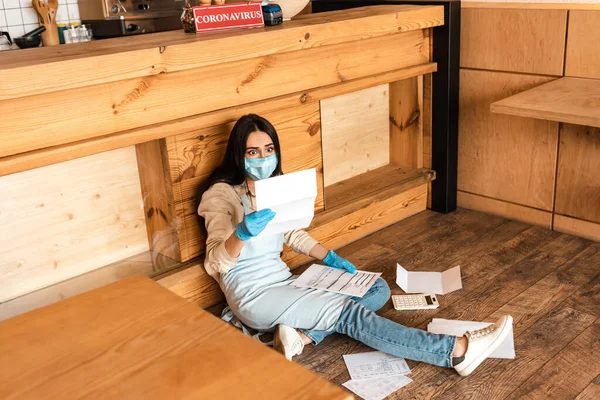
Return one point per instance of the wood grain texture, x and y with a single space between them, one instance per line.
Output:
578 182
133 339
65 152
530 41
572 100
193 156
509 267
592 391
577 227
581 59
502 208
569 372
587 298
535 6
157 195
373 182
355 133
551 291
166 52
147 263
67 219
502 157
427 120
132 103
405 123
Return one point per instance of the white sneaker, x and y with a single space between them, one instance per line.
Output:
287 341
482 343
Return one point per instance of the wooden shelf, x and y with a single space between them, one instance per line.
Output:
571 100
379 183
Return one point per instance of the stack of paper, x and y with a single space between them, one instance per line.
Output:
291 196
376 375
458 328
337 280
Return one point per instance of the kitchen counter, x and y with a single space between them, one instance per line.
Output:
116 85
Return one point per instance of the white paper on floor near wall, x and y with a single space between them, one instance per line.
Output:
337 280
291 197
379 388
458 328
374 364
429 282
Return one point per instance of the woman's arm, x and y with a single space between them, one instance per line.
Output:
234 245
218 208
303 243
318 251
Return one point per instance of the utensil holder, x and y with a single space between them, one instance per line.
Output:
50 35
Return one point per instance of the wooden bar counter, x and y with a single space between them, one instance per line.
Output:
90 131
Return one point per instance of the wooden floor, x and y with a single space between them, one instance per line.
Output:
549 282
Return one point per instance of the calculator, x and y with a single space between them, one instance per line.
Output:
415 301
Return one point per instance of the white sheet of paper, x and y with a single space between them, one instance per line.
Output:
291 196
429 282
377 389
458 328
375 364
337 280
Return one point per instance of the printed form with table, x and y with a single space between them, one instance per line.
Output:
374 375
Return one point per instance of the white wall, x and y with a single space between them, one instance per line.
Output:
18 16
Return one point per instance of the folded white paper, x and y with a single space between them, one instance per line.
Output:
429 282
375 364
337 280
291 196
458 328
379 388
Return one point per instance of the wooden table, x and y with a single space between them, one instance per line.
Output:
136 340
571 100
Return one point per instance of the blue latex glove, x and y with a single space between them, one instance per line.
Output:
335 261
253 224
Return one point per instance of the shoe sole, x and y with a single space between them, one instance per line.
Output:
475 363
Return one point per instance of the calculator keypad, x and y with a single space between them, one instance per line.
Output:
410 302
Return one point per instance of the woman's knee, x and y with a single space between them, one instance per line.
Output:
381 294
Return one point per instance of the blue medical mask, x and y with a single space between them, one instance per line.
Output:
261 168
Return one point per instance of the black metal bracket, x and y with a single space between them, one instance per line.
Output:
444 108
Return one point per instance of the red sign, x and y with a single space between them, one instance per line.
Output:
228 16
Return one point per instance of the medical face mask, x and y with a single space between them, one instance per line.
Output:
261 168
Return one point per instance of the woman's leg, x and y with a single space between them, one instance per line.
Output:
373 300
385 335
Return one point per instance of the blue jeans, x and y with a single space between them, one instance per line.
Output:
359 321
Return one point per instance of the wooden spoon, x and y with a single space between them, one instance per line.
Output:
42 10
52 15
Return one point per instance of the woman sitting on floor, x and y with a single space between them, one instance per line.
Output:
258 284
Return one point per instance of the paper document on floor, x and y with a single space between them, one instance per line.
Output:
458 328
375 364
337 280
429 282
291 197
379 388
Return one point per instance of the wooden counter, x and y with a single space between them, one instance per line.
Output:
136 340
145 119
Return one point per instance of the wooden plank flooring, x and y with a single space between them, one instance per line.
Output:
548 281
